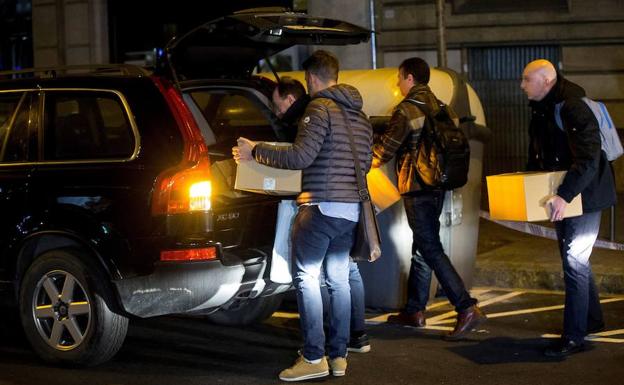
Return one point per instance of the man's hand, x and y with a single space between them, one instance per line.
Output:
557 207
242 152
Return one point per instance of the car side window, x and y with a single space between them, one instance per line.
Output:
232 114
14 128
86 125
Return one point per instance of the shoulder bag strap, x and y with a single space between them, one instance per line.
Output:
361 182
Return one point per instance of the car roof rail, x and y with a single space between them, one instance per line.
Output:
262 10
77 70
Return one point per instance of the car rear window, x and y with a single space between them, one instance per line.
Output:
231 114
14 127
86 125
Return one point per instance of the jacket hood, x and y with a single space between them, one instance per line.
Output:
343 94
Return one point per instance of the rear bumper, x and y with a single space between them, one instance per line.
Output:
182 287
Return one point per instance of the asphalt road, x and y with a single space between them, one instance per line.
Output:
189 351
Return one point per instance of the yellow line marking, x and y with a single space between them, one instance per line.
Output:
439 318
437 304
500 298
590 338
434 327
282 314
609 333
479 292
541 309
380 318
611 340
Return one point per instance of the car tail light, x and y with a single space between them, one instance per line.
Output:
204 254
185 187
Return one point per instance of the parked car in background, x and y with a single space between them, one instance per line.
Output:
116 187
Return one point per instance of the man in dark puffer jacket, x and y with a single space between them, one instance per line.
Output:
329 207
290 101
576 150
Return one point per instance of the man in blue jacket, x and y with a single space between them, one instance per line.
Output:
577 150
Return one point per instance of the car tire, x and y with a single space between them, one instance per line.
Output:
247 312
77 327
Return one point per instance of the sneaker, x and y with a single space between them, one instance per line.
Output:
303 370
359 344
338 366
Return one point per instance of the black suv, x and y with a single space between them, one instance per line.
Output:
116 187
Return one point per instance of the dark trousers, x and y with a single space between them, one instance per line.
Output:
423 215
576 237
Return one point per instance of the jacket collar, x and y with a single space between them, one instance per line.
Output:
296 110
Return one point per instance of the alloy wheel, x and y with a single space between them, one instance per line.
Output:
61 310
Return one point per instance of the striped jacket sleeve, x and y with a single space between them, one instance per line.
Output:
402 123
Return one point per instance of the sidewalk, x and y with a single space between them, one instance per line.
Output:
512 259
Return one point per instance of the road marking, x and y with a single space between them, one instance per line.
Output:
609 333
442 318
435 327
283 314
435 323
541 309
592 337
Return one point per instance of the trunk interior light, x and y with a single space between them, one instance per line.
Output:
199 195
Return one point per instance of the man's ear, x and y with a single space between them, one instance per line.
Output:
290 98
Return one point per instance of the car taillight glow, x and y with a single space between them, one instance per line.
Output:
200 196
185 187
204 254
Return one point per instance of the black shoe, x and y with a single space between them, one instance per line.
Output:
359 344
564 347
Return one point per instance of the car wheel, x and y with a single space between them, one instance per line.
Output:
64 310
251 311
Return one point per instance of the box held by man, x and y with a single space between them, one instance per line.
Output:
522 196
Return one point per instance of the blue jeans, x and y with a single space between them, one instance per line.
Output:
576 238
319 239
358 301
423 211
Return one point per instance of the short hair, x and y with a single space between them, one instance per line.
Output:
416 67
290 86
323 65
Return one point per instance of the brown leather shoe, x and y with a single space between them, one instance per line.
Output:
415 319
466 321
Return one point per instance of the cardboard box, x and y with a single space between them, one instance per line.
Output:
382 191
258 178
522 196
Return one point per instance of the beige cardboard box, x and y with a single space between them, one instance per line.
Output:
258 178
522 196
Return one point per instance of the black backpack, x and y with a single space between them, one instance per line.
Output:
443 150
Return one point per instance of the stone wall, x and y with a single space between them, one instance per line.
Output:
67 32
